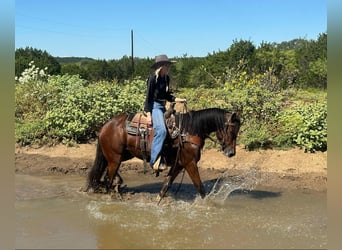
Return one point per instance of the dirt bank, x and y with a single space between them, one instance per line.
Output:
291 169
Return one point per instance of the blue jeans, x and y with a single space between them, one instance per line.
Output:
159 131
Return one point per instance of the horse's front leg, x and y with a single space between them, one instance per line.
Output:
191 154
171 176
192 170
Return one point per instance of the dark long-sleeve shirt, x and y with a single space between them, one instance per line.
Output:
157 91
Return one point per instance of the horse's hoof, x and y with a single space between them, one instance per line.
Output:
116 196
84 189
156 172
117 189
158 199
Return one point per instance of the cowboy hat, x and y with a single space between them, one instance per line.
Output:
161 60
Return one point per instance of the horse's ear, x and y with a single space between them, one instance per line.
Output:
233 117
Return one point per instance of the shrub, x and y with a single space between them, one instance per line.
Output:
256 134
69 109
31 93
304 125
29 132
81 112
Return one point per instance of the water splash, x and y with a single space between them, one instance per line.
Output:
228 183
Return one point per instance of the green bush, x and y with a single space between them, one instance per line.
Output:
202 98
304 125
68 109
77 110
82 111
32 132
255 134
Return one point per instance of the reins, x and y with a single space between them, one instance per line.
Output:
185 110
180 145
212 139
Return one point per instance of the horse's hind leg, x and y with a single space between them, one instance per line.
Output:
114 178
112 172
117 182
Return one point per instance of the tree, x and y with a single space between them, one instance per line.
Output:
186 72
266 57
142 67
74 69
41 59
322 44
312 62
242 50
318 67
100 70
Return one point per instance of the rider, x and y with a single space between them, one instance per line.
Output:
158 92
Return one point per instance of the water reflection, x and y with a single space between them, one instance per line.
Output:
51 213
241 223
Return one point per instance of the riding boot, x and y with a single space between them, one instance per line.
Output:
158 165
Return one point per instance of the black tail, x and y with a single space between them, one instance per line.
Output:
99 167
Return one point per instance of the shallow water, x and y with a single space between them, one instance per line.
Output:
239 213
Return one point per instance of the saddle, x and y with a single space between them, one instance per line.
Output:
136 125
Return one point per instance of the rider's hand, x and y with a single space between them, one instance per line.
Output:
181 100
149 118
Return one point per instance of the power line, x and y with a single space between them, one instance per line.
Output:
70 24
72 33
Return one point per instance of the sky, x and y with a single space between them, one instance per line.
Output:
101 29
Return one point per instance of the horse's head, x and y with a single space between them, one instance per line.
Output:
228 135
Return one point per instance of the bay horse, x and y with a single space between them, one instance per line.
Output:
115 145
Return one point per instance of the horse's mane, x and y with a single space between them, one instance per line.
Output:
203 122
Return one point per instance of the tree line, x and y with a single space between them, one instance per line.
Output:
299 63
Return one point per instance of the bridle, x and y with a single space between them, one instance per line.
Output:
225 131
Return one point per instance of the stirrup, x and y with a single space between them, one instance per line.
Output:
157 166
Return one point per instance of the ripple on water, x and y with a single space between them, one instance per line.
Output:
228 217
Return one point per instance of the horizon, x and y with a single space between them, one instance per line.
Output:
129 56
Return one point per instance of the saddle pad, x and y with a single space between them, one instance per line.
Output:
134 122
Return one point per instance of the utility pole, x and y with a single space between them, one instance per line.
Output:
132 58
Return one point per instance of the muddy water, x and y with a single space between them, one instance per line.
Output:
52 213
